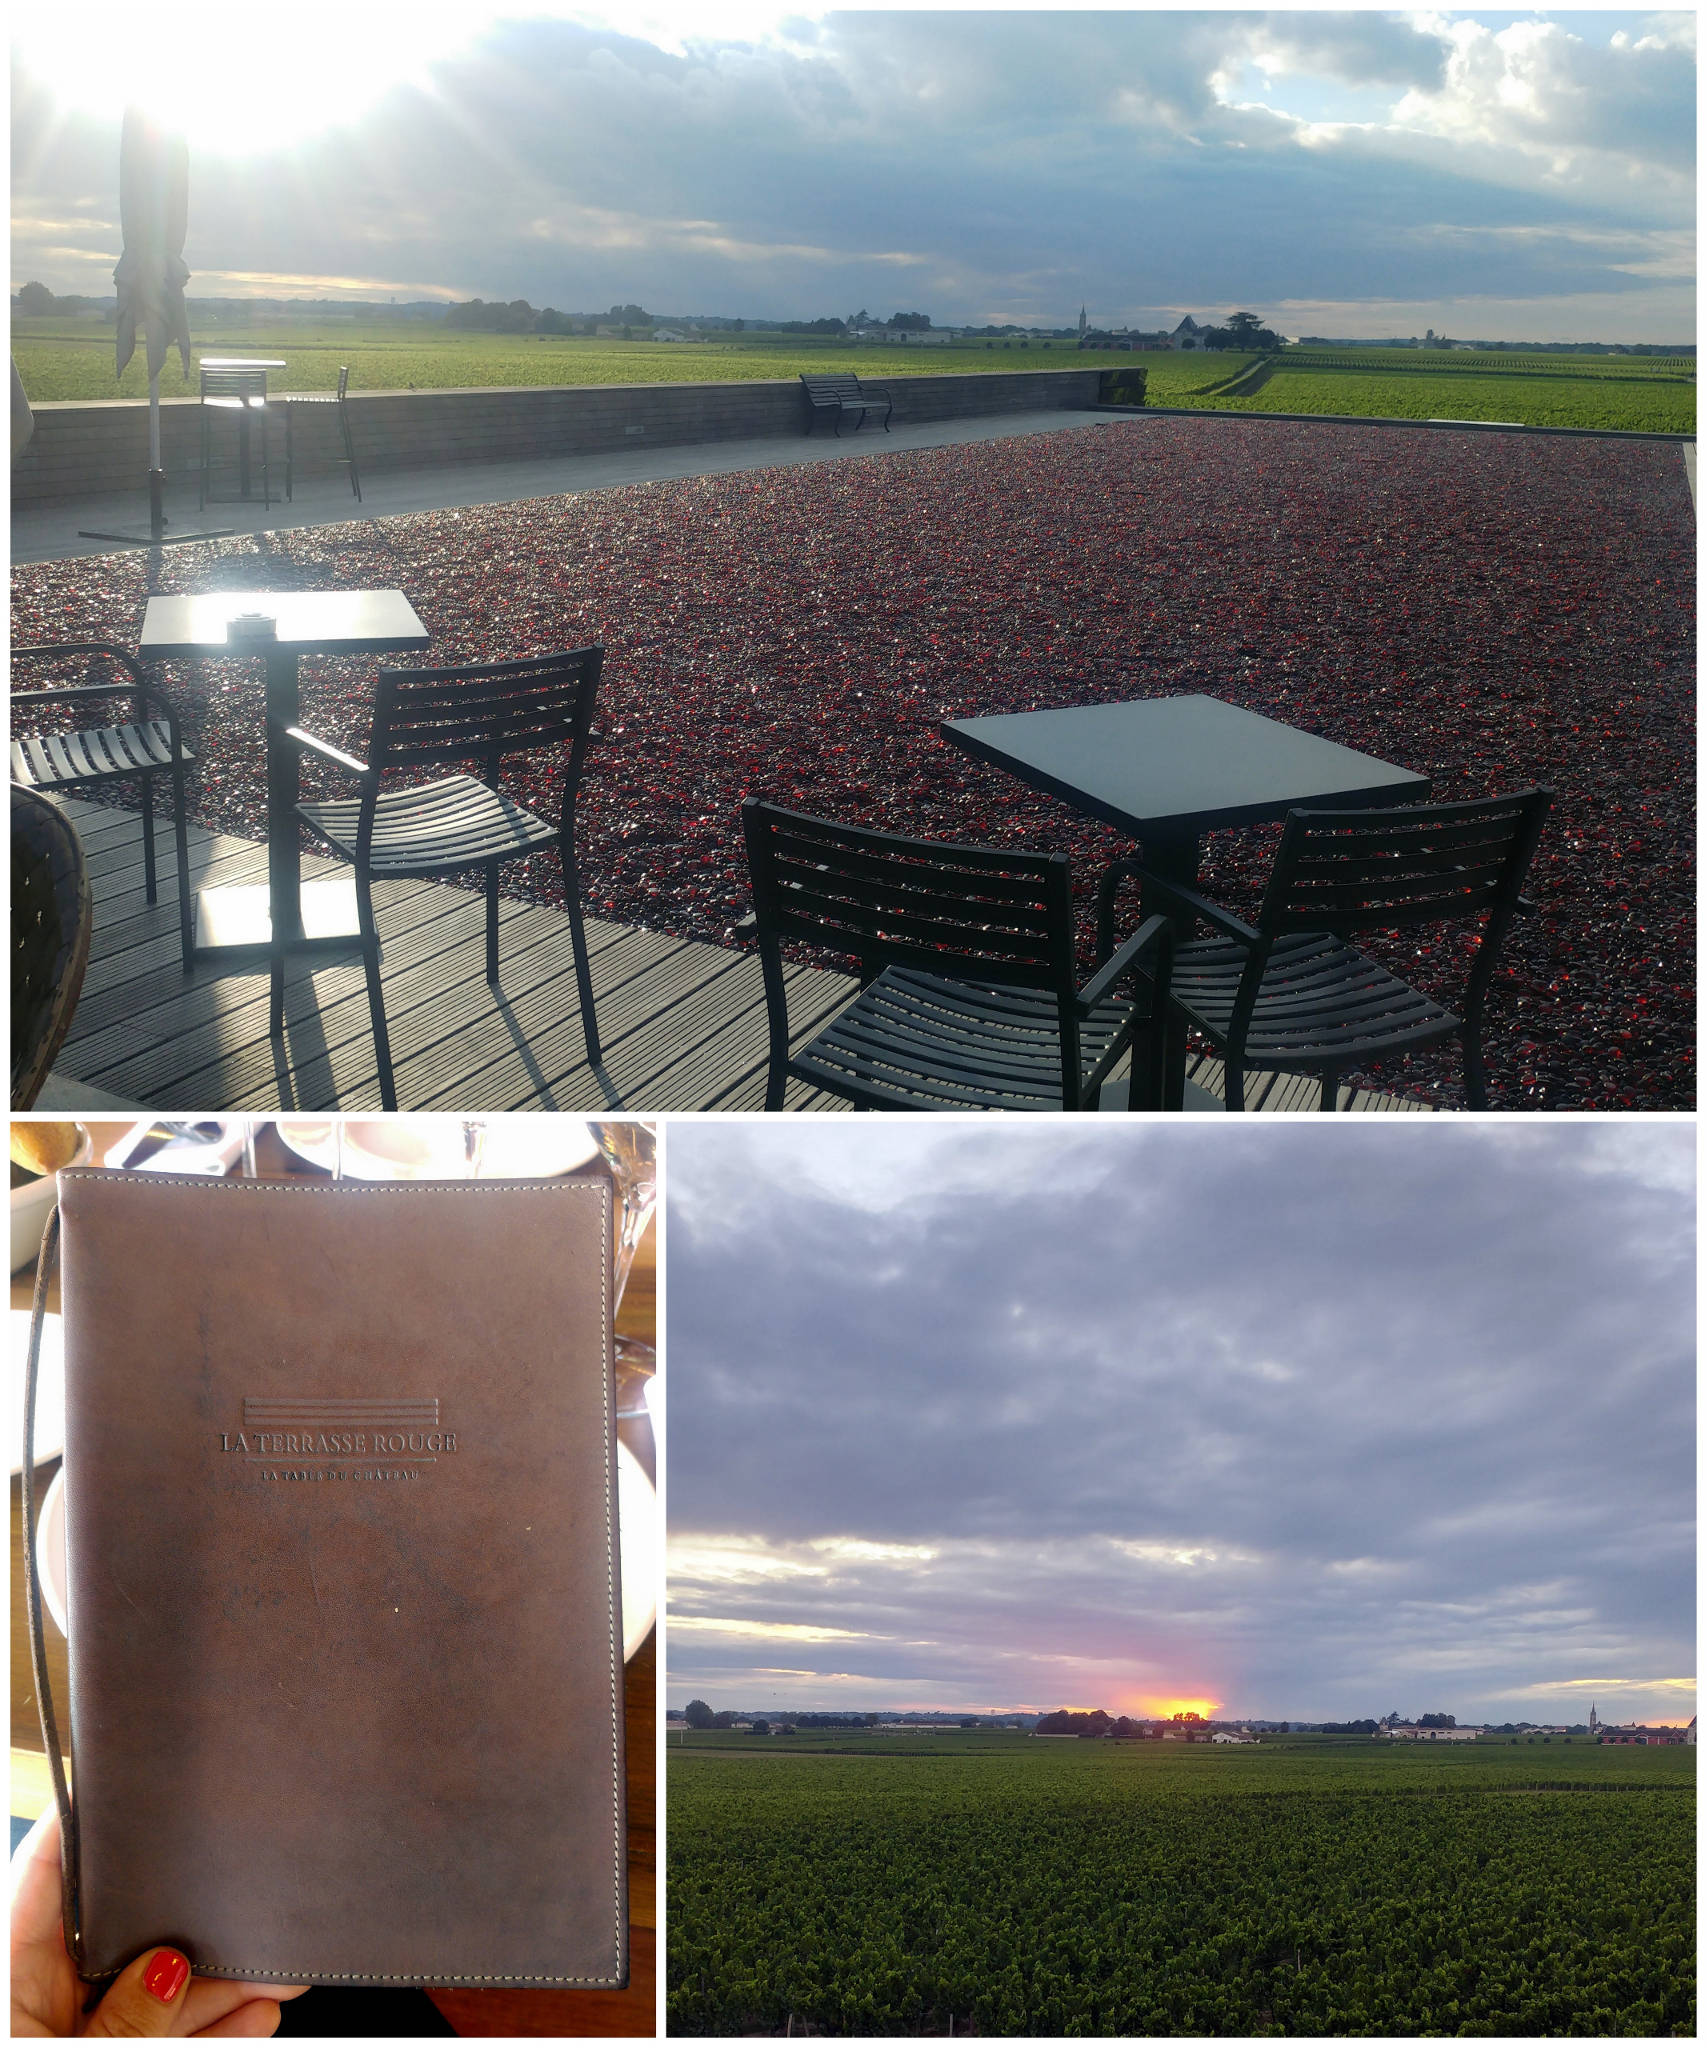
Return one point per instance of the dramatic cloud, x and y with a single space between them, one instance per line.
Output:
1310 1421
1349 172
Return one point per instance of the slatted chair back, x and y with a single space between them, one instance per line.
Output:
343 382
243 386
977 913
1342 871
1345 871
423 717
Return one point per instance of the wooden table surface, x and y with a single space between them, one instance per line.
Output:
567 2013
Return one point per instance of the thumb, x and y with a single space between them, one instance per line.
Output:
144 1999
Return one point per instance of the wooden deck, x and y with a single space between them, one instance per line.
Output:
682 1022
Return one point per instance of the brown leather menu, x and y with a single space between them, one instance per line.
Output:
345 1629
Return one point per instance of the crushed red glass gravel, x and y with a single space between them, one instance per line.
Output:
1490 609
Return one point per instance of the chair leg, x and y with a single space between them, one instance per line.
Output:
1330 1088
1233 1082
290 454
150 881
375 995
186 902
201 474
350 451
492 924
276 992
1475 1073
578 940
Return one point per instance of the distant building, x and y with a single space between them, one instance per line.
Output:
1402 1731
1227 1735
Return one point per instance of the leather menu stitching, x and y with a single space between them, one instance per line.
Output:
603 1191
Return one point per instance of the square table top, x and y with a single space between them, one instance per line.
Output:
309 622
240 362
1180 765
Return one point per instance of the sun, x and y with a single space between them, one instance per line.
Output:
241 80
1164 1709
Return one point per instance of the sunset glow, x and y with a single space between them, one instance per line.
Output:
1165 1709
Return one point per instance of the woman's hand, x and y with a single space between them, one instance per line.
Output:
155 1995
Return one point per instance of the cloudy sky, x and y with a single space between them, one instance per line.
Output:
1322 1420
1487 174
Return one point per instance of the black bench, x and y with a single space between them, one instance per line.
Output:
843 395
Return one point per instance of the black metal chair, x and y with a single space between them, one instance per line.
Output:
289 401
52 913
432 717
242 393
55 762
968 997
1293 994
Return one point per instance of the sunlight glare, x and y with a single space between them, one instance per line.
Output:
240 82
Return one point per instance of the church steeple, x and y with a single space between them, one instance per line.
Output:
1081 323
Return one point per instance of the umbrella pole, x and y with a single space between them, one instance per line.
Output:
156 475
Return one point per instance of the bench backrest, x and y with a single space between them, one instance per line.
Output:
820 388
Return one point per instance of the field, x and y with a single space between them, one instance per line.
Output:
65 358
73 358
1002 1884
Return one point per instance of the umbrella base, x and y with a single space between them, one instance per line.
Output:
156 536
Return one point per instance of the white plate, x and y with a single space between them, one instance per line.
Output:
421 1147
50 1388
637 1508
637 1516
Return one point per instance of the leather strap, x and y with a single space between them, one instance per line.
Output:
46 1260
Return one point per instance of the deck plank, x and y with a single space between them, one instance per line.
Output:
682 1023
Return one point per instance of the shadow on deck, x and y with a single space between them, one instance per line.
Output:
682 1022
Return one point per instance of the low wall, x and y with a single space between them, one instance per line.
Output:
84 451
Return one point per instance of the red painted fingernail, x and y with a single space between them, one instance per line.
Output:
166 1973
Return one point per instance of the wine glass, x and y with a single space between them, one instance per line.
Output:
630 1150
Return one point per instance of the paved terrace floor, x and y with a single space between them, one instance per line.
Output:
45 533
682 1022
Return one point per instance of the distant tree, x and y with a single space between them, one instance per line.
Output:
761 1727
909 323
698 1714
1188 342
34 298
723 1720
1286 1727
1438 1721
553 322
635 316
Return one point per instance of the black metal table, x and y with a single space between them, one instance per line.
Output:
1167 770
234 925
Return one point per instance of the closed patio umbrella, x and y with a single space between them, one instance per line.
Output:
154 213
154 216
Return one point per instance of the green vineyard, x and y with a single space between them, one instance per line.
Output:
1014 1885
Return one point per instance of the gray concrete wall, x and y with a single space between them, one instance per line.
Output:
85 450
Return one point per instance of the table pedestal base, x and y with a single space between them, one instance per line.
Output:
234 927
